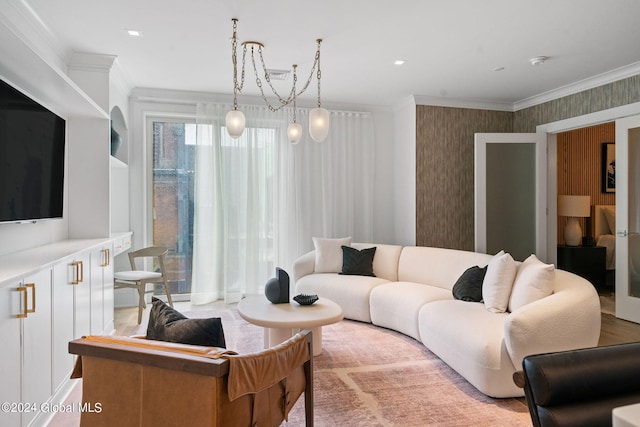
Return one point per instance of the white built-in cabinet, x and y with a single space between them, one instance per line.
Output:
71 312
10 355
64 293
36 342
102 289
71 262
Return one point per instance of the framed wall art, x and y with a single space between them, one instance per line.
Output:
608 167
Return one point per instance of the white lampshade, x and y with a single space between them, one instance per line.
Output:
319 124
235 123
294 133
573 207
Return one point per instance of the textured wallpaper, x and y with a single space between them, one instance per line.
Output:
444 155
444 172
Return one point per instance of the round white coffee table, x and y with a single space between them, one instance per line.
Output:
282 321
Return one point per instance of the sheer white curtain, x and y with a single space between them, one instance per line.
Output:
259 199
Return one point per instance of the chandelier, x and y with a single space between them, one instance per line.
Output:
235 120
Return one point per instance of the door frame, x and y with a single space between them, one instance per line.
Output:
627 306
481 142
553 128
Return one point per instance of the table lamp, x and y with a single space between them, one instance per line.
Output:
573 207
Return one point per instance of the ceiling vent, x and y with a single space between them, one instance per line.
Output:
278 74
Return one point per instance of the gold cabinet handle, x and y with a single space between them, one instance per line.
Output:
33 297
24 302
78 271
107 257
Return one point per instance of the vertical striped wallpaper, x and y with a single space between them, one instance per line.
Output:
444 155
444 172
580 167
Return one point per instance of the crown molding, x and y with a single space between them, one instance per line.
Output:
463 103
92 62
570 89
579 86
27 25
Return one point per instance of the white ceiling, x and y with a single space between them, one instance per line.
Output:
451 46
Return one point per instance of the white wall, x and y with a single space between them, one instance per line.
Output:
383 208
404 166
20 44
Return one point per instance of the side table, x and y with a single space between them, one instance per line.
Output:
589 262
626 416
281 321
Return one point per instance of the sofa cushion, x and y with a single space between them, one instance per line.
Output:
534 280
385 263
469 286
497 284
395 305
329 254
351 293
168 324
470 339
357 262
436 266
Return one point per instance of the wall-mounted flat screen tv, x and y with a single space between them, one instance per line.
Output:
32 147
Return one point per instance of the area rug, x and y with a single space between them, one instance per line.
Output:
369 376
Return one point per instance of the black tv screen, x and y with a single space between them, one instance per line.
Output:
32 144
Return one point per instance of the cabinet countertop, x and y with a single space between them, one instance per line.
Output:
19 264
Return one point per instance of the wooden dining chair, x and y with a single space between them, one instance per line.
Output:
138 279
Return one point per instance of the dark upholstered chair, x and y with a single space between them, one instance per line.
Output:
580 387
154 383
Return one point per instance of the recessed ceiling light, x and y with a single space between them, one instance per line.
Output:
134 33
399 62
538 60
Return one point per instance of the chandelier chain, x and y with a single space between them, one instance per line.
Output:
234 45
319 75
238 86
295 79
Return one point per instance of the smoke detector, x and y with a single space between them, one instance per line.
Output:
538 60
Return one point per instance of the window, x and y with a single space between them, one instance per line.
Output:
173 184
247 182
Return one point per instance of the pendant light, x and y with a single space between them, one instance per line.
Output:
294 131
235 120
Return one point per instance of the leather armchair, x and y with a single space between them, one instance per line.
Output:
138 382
580 387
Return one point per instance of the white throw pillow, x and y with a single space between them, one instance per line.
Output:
610 216
534 281
329 254
497 283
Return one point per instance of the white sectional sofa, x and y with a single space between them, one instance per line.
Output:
412 293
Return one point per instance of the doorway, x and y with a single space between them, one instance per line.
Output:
552 130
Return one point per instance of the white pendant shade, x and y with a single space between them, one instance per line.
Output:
235 123
319 124
294 132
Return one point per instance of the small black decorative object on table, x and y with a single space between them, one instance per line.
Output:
277 288
304 299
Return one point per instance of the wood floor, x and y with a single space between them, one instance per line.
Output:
617 331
